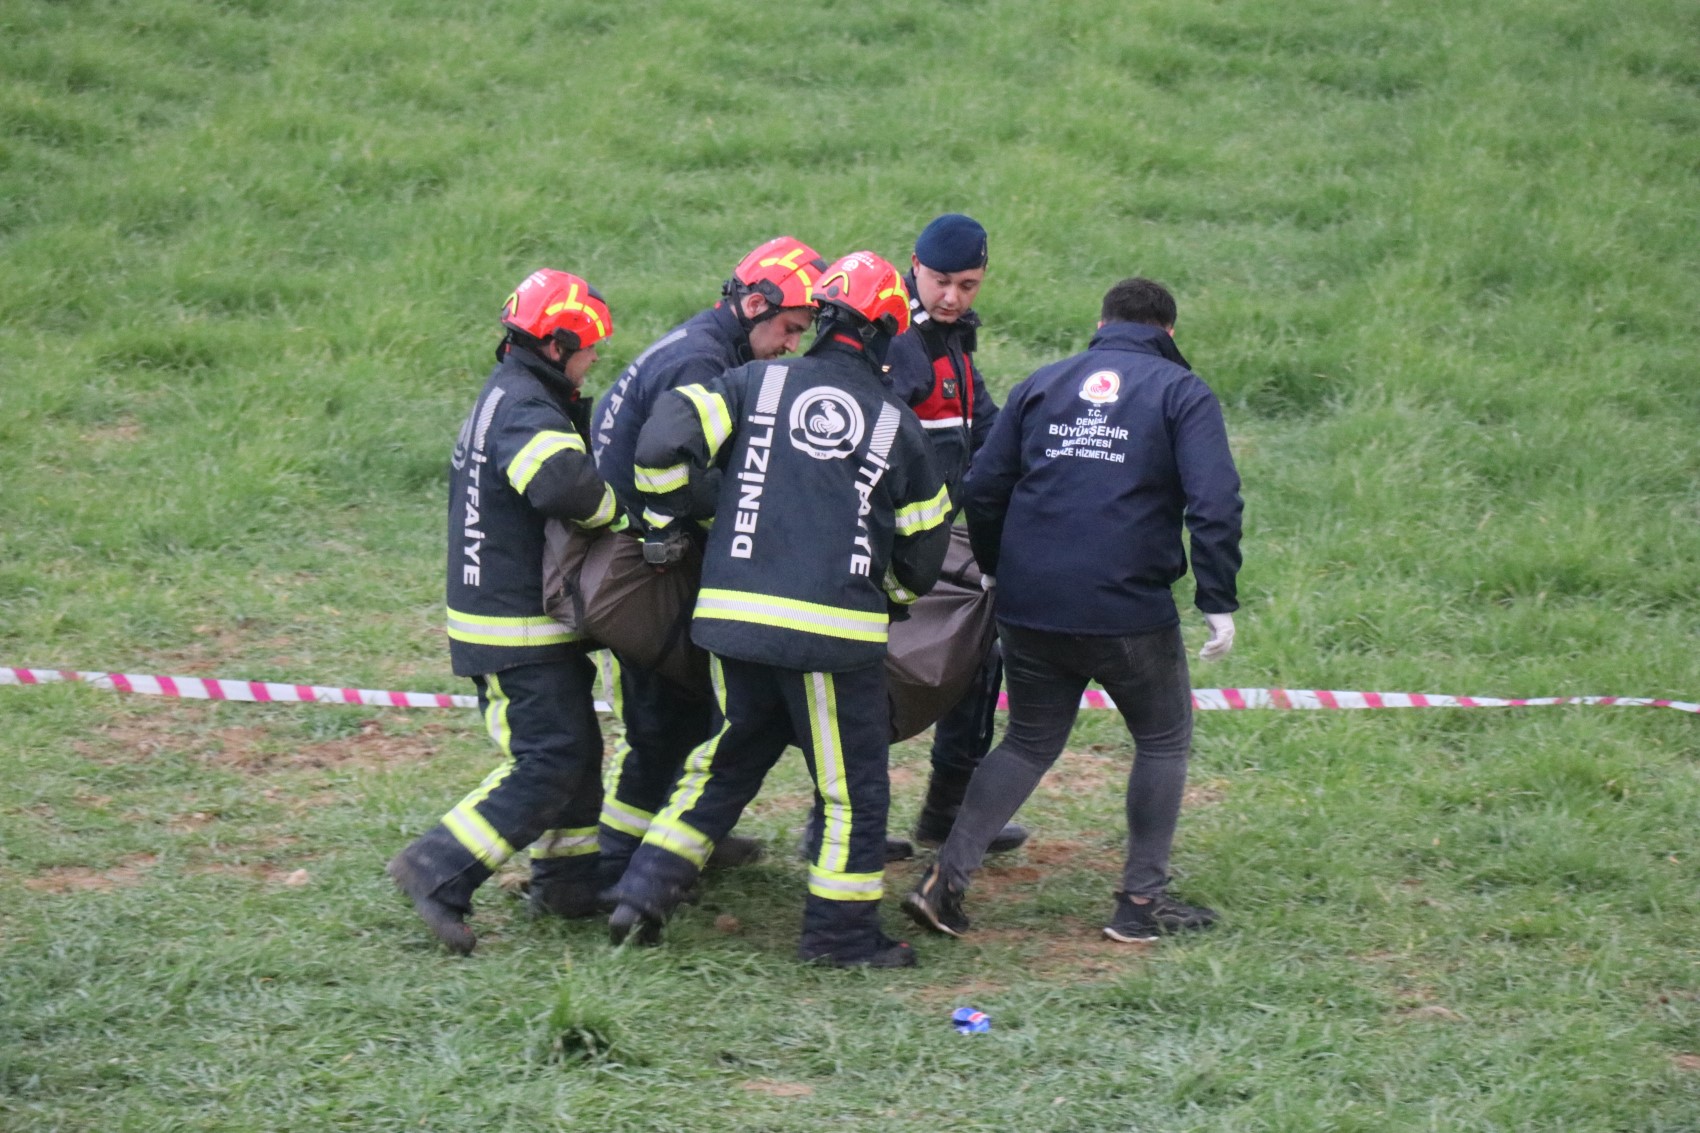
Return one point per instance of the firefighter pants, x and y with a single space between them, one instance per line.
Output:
546 794
663 725
842 723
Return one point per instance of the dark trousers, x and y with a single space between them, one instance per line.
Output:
842 723
663 725
963 734
545 795
1146 675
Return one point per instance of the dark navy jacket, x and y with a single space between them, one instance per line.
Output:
1077 499
829 507
931 367
697 350
520 461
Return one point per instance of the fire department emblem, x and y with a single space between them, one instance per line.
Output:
826 423
1101 388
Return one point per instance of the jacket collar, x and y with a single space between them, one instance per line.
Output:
1141 337
725 325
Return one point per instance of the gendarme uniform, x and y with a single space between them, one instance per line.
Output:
932 369
829 512
520 460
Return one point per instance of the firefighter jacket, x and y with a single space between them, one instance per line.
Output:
696 351
1077 500
829 508
932 369
520 460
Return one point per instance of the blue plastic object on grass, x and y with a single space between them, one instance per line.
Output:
971 1021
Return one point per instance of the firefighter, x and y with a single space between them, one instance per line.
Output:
762 313
520 460
829 514
932 368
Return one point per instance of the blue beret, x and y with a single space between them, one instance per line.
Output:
952 242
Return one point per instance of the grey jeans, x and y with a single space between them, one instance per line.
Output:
1146 675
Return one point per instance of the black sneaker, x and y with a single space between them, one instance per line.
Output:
631 922
446 922
886 953
1161 916
936 905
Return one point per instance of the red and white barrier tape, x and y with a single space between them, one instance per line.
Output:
1203 699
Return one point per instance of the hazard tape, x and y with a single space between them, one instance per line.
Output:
1203 699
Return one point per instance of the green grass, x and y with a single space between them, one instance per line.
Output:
1438 262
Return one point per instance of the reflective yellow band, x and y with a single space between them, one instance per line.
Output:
897 592
604 511
835 886
789 613
675 837
626 819
538 450
477 835
654 520
659 481
712 412
925 515
477 629
565 843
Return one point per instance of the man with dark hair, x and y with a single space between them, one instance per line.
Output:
1076 505
830 511
932 368
763 311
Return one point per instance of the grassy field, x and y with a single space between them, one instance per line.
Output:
1438 260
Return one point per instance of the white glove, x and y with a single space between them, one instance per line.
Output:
987 582
1221 637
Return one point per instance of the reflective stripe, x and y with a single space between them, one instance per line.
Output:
469 827
943 423
830 779
836 886
478 629
712 412
925 515
604 513
659 481
654 520
608 671
677 838
789 613
538 450
616 815
564 843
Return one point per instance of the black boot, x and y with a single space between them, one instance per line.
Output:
945 791
443 913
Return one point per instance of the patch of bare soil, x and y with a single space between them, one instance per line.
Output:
1688 1062
253 748
1085 773
775 1089
83 879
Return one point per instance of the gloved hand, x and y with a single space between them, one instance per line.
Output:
666 547
988 583
1221 637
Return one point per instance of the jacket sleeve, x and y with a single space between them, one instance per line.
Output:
680 445
990 482
1211 485
544 458
921 521
985 412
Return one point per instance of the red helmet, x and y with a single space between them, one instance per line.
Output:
782 271
867 287
556 306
